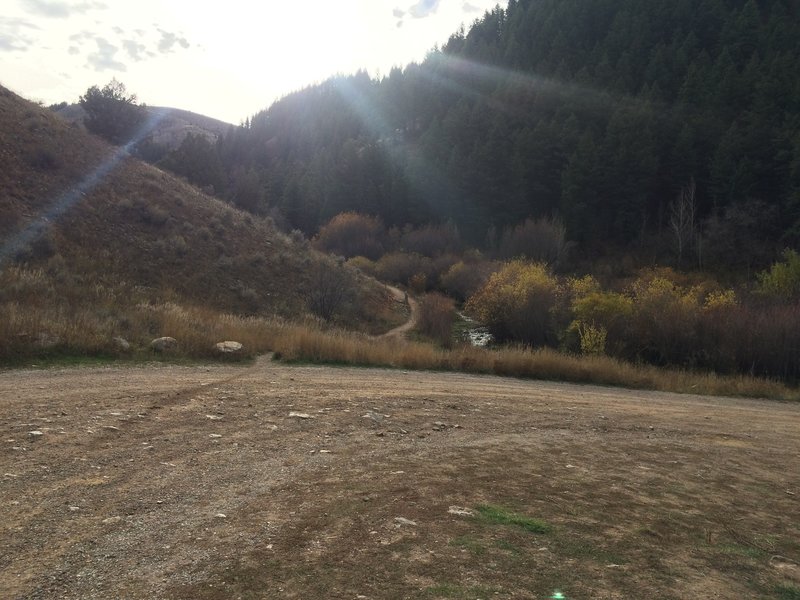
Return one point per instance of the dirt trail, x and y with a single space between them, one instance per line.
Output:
197 482
413 305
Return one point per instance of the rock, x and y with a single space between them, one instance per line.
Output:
403 521
112 520
74 508
377 417
439 426
299 415
163 344
460 511
221 516
35 433
214 435
228 347
121 344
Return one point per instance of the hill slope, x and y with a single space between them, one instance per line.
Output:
84 227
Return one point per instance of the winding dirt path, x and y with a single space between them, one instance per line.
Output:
402 297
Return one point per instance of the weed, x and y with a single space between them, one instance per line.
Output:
501 516
468 542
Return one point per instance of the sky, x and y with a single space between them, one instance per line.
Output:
227 60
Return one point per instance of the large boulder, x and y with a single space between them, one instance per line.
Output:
228 348
163 344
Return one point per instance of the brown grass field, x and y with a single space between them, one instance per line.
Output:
594 492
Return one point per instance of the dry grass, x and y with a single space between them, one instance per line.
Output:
33 332
296 343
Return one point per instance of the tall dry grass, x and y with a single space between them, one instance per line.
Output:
295 343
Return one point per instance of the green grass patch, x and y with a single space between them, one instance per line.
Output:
501 516
788 592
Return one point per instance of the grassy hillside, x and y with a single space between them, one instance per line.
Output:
88 234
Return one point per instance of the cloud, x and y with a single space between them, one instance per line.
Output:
105 57
470 8
61 9
423 8
398 13
168 41
13 36
135 50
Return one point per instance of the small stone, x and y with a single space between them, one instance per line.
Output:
112 520
35 433
403 521
460 511
299 415
74 508
221 516
214 435
214 417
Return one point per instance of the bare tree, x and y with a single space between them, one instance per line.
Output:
682 219
330 288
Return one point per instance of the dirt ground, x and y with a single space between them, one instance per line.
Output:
198 482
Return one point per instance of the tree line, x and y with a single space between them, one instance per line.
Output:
668 129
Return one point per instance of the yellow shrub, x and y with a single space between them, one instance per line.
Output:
517 303
720 299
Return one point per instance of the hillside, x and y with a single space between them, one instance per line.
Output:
174 125
599 113
89 233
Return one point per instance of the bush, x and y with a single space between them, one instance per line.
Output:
783 278
351 234
436 316
462 280
606 311
112 113
400 267
431 240
518 304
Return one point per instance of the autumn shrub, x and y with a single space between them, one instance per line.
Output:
431 240
663 322
351 234
463 279
363 264
400 267
518 302
435 318
593 311
782 280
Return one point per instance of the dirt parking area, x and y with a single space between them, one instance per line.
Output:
276 481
